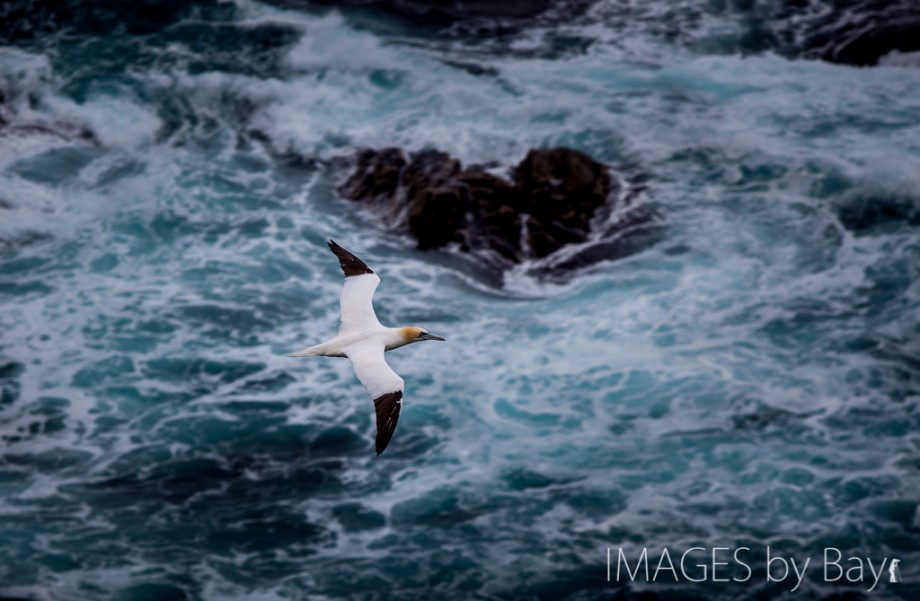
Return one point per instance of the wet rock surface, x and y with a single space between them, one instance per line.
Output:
561 189
850 32
554 198
443 13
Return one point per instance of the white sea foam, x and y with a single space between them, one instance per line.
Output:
896 58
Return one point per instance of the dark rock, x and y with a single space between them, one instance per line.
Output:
560 189
861 214
850 32
376 176
26 20
429 169
552 201
558 182
496 212
869 47
438 13
437 202
423 195
862 33
437 216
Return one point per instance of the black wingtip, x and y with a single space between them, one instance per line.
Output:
387 407
351 265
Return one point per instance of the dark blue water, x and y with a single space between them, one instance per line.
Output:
167 183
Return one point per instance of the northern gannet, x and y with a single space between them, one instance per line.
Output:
363 340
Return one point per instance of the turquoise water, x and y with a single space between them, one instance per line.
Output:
165 195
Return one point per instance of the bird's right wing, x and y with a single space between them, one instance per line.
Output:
382 383
356 301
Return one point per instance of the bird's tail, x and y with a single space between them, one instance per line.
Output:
307 352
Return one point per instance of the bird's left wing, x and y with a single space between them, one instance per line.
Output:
382 383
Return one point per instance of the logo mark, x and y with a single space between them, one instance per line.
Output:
894 573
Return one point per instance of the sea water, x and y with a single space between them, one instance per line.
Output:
167 185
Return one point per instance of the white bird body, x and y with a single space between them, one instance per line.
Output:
389 338
364 341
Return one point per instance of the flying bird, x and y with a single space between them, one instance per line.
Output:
364 340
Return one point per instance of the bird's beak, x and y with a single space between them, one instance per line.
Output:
431 337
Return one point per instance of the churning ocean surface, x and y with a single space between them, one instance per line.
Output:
167 185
